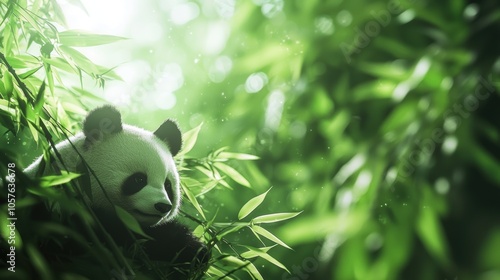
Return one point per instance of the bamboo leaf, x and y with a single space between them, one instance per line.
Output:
238 156
193 200
245 265
190 138
55 180
251 205
40 98
79 59
61 64
230 230
80 38
38 261
29 72
263 232
212 270
273 218
130 221
4 107
233 174
253 252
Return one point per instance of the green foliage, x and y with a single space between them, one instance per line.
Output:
376 120
39 103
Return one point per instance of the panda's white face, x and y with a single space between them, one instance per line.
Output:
138 174
133 168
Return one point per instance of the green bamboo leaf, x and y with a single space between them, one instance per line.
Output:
245 265
263 254
274 261
214 271
233 174
79 59
80 92
208 187
385 70
193 200
190 182
38 261
251 205
80 38
16 62
253 272
130 221
4 106
209 173
33 130
238 156
55 180
487 162
73 108
29 72
29 18
431 233
7 82
40 98
50 73
199 231
108 72
252 253
9 11
61 64
263 232
273 218
230 230
190 138
5 230
58 14
2 90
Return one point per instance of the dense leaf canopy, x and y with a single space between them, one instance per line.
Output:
323 139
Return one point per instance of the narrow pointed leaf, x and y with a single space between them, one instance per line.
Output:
193 200
79 59
29 72
251 205
229 155
263 232
230 230
190 138
231 172
263 254
245 265
130 221
252 253
55 180
273 218
80 38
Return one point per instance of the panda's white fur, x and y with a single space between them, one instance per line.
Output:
134 169
113 157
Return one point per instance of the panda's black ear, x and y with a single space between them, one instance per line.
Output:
170 133
100 122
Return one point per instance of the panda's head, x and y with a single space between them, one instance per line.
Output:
135 167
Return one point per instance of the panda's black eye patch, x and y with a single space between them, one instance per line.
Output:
168 188
134 183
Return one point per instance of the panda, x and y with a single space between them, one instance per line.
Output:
134 169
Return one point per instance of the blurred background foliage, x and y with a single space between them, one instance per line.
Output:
377 119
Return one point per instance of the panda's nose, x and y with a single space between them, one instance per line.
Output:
163 207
